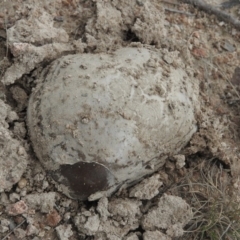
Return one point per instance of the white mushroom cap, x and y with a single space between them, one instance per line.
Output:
98 121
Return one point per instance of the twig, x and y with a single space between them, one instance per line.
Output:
19 225
177 11
230 224
229 4
212 10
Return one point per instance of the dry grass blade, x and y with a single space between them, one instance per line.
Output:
216 213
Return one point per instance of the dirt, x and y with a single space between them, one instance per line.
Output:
33 34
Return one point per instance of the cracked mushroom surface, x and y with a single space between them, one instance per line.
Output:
103 121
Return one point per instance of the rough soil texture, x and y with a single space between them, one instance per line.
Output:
33 34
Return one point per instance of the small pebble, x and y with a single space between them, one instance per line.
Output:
14 197
20 233
22 183
45 184
67 216
32 230
3 229
228 47
53 218
5 222
64 232
58 18
17 208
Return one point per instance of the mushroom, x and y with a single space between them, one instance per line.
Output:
102 121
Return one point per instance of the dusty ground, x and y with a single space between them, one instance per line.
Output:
205 189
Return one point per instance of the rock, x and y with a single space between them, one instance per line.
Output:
12 160
153 21
5 222
67 216
4 199
13 197
132 236
37 39
4 225
112 237
64 232
37 54
53 218
20 96
22 183
180 160
3 229
117 218
43 201
147 189
13 157
124 217
102 208
20 233
127 209
36 30
3 111
228 46
88 225
119 119
175 230
170 57
17 208
155 235
172 214
12 116
31 230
